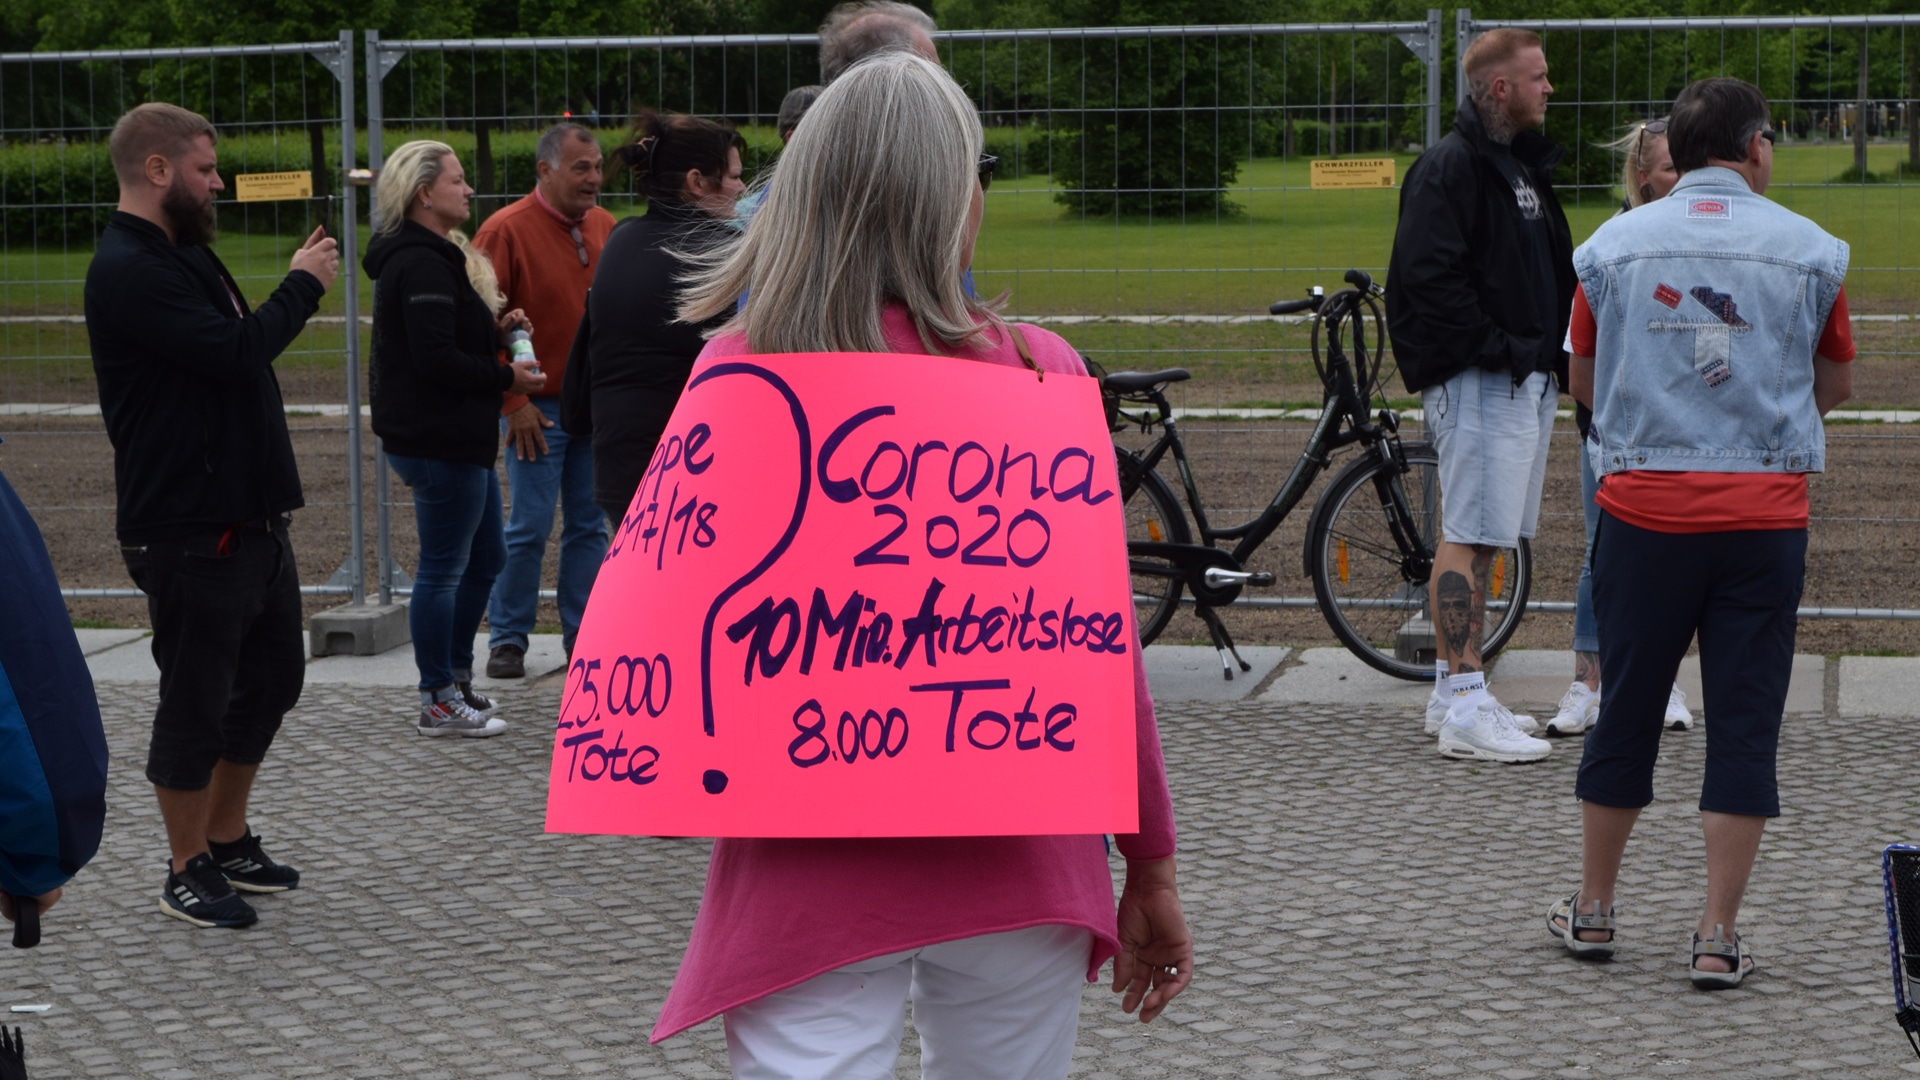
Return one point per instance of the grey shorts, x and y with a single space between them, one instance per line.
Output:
1492 438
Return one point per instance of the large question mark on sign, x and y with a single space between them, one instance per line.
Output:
715 780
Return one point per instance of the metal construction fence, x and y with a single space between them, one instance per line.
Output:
1154 195
278 108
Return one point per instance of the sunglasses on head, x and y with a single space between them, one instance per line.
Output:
984 169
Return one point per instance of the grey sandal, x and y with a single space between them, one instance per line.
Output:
1734 952
1569 933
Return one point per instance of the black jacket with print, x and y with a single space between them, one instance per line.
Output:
1456 298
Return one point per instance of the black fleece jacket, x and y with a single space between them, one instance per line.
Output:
622 387
436 378
186 380
1457 297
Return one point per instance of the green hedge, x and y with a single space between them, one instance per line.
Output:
61 194
1266 137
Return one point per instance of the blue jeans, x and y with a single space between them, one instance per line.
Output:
1586 629
457 511
564 474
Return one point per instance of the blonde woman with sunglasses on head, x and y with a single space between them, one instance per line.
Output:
1646 174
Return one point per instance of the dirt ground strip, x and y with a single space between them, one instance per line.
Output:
1864 551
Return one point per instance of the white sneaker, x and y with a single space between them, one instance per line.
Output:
1579 710
1480 727
1678 718
1440 701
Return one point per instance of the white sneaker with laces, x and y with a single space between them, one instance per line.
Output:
1439 701
1678 718
1479 727
1579 710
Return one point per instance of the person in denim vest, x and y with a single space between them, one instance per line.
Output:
1710 336
1480 281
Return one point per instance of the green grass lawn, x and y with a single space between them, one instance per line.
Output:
1283 238
1289 237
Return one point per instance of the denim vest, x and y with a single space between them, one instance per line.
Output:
1708 305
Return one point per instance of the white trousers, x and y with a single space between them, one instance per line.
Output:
993 1007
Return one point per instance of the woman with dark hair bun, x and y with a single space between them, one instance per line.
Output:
637 357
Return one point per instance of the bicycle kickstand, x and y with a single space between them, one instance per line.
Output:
1222 641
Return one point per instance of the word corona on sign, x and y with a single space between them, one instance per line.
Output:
1340 173
272 186
838 606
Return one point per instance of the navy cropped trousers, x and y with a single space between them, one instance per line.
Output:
1652 591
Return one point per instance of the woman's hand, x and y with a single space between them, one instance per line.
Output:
510 319
1155 961
527 377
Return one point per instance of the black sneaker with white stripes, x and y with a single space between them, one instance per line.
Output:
199 894
250 869
476 700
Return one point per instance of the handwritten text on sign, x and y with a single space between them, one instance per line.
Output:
860 595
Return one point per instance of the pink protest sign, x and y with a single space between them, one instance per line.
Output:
860 595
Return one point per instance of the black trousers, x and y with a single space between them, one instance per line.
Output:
225 608
1651 592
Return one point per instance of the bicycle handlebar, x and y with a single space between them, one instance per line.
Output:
1361 281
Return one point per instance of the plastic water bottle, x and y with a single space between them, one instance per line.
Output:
520 347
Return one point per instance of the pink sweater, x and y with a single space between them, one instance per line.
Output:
779 912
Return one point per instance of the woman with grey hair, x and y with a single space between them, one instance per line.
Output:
437 385
811 948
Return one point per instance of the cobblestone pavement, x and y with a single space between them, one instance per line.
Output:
1363 908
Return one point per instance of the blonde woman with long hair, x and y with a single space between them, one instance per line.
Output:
1646 174
437 385
812 948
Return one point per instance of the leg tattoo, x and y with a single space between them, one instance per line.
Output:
1454 600
1586 668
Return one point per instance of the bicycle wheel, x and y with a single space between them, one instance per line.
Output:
1371 581
1153 515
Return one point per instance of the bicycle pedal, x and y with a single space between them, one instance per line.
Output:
1261 579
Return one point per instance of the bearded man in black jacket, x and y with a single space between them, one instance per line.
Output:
205 477
1480 288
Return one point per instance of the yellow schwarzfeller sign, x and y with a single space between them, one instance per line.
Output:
1352 173
270 186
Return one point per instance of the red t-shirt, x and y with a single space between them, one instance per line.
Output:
1698 502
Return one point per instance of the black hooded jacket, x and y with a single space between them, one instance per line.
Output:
186 380
436 377
1457 295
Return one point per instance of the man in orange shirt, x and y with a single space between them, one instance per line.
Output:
544 248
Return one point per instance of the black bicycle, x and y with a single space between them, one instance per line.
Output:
1371 539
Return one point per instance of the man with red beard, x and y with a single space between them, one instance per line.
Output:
205 476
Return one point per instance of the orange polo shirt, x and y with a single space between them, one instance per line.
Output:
539 268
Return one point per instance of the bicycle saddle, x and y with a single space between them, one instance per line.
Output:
1132 382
